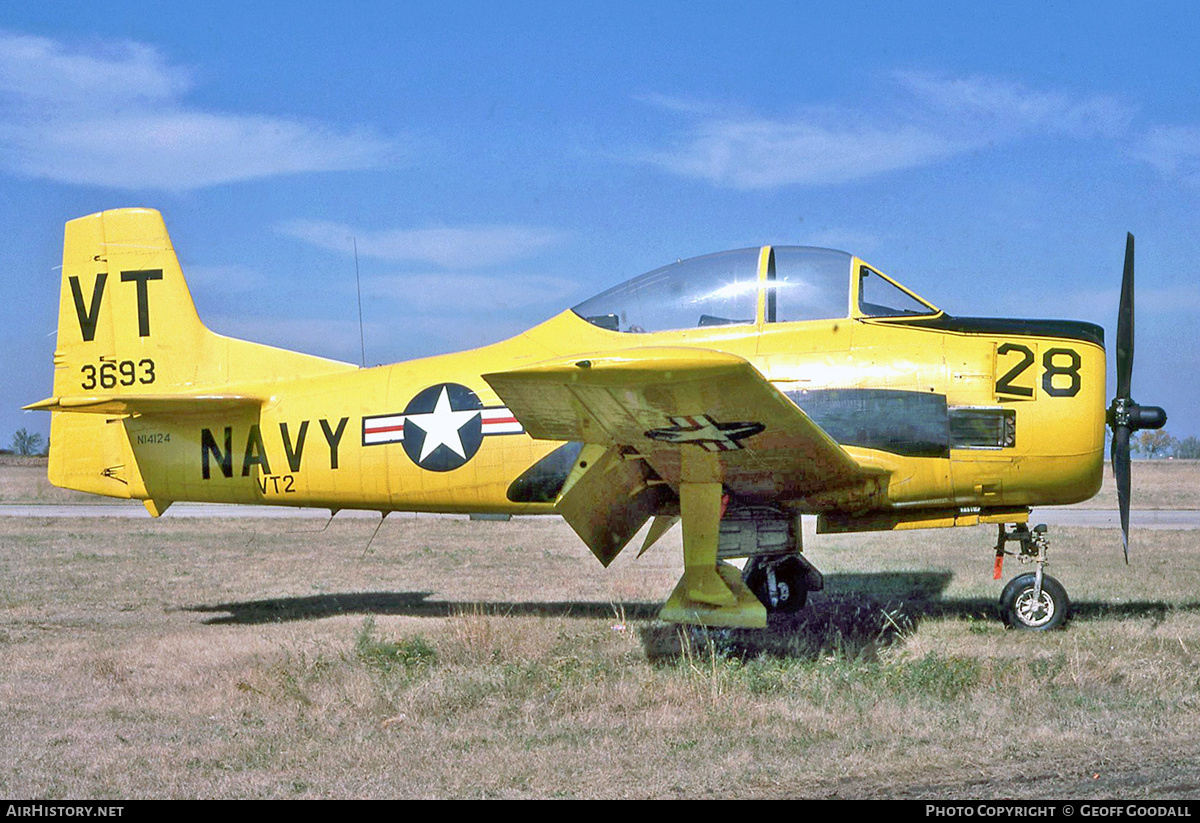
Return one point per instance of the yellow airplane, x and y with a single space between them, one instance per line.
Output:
732 392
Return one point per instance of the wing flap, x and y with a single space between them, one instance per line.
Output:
610 500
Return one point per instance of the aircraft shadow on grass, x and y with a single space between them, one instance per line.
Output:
856 615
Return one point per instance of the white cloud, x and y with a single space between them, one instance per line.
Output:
931 120
40 71
117 117
449 247
999 108
759 154
682 105
1173 150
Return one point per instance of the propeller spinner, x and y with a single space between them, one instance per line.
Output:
1125 416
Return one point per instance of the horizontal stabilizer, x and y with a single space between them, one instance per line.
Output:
146 404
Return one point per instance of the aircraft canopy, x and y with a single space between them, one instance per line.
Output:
774 284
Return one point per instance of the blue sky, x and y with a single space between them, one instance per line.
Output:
497 162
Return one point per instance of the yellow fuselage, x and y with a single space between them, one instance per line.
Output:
944 415
306 446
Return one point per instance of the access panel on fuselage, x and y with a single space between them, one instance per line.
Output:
1026 416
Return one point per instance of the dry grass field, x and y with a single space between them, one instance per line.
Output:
268 658
1155 484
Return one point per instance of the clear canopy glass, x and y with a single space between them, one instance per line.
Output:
800 283
808 284
713 290
879 297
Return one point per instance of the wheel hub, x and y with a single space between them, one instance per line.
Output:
1035 611
781 594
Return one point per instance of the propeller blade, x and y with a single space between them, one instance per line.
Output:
1120 466
1124 416
1125 325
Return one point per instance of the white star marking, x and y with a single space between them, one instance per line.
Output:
441 427
707 431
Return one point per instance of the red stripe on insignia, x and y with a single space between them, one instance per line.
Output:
383 429
500 420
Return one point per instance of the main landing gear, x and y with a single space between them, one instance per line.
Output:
782 583
1033 601
776 571
776 579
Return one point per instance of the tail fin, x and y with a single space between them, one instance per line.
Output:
127 324
126 319
130 341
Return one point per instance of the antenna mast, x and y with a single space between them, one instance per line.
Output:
358 282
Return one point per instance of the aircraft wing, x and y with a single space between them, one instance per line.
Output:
664 403
660 401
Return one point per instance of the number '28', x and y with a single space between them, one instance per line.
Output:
1060 371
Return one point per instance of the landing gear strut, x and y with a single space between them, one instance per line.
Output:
1033 601
776 579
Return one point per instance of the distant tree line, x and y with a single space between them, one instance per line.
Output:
1158 443
27 443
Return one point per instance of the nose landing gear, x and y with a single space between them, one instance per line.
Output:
1033 601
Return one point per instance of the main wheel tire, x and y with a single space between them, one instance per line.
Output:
790 591
1020 611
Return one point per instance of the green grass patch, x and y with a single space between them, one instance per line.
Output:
406 654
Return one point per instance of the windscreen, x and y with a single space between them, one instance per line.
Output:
878 297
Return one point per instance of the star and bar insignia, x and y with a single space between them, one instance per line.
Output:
701 430
441 428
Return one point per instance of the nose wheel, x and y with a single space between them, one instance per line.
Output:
1033 601
1027 606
